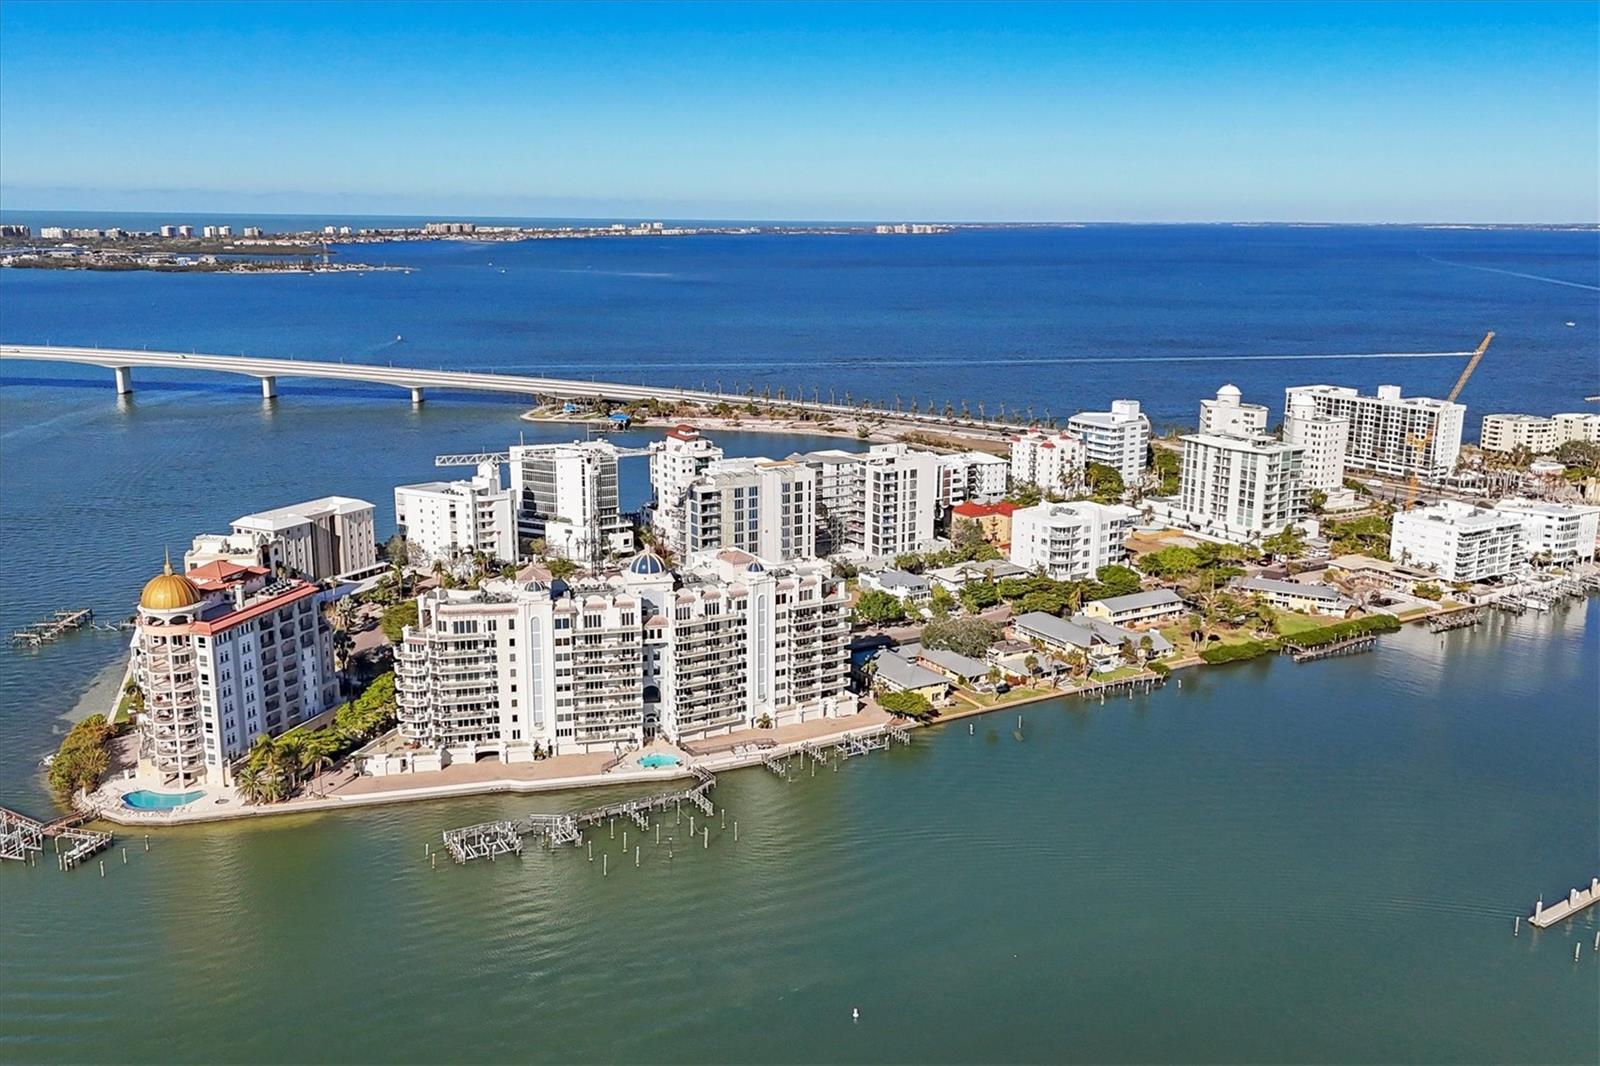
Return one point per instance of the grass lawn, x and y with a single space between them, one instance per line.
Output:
1119 673
124 709
1019 692
1415 612
1179 637
1290 622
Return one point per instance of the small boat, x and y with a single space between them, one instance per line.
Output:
1571 324
398 338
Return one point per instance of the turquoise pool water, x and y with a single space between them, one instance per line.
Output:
145 800
656 760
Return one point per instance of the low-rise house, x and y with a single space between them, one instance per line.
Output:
1150 644
1154 607
993 520
911 588
955 578
1012 656
1302 596
892 673
1101 641
962 669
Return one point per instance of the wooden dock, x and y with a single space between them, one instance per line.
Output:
1131 685
1352 646
488 840
1577 900
1443 623
22 837
53 628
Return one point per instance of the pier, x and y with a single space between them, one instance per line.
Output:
1443 623
21 837
1353 646
53 628
1544 917
1131 685
488 840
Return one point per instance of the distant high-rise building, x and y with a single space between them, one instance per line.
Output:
442 520
1227 414
1391 434
1241 486
1323 436
567 495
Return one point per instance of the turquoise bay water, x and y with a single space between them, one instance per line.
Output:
1272 863
1312 863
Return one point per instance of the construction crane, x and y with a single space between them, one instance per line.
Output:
1421 443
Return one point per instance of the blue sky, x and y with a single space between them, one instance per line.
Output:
1315 112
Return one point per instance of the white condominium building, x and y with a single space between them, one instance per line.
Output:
977 477
1458 541
1118 438
767 507
567 494
1324 438
223 654
675 462
839 498
318 539
1581 427
441 520
1241 486
608 665
1227 415
1071 541
1054 461
899 493
1507 433
1560 533
1390 434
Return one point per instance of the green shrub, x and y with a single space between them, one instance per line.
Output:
908 704
1232 653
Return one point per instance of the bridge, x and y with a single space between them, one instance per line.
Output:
122 361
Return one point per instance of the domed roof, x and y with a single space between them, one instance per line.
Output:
647 563
1229 392
755 568
168 591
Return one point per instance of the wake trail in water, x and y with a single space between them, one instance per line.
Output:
1516 274
1018 361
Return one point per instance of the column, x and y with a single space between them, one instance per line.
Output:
269 388
416 397
124 379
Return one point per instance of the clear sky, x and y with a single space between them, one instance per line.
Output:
1325 112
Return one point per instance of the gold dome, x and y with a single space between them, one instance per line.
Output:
168 591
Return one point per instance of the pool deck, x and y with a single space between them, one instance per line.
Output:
345 789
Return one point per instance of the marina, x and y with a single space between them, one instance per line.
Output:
55 627
21 838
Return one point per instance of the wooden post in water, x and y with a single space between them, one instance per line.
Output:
605 865
1516 926
147 842
591 851
736 840
705 836
636 856
124 856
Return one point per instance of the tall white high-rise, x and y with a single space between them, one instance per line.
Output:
676 460
1071 541
609 664
1241 486
224 654
767 507
441 520
1053 461
1228 415
1323 436
1118 438
1457 541
567 495
1391 434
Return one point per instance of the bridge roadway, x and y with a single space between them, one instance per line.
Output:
122 361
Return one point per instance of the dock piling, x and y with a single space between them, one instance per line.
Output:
736 840
605 865
1516 926
705 837
636 856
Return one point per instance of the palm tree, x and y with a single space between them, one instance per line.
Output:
318 754
250 784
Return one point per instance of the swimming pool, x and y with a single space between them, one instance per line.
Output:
656 760
145 800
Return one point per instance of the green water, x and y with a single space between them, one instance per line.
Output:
1273 863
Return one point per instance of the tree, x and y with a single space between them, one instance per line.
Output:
942 603
1104 482
877 608
1114 581
83 757
906 704
250 783
318 752
1164 462
1031 663
1287 544
1316 500
561 568
1172 562
978 595
396 618
965 636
